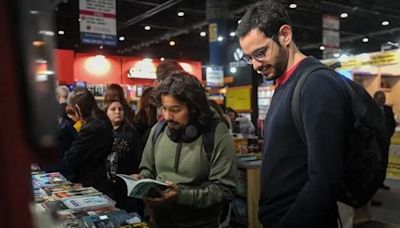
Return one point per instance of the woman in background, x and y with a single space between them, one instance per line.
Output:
85 159
146 117
125 157
116 92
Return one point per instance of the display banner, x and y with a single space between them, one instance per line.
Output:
215 76
98 22
330 35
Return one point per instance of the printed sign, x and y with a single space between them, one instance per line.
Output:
215 76
98 22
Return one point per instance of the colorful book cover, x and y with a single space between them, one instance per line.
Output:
83 191
88 202
143 187
49 179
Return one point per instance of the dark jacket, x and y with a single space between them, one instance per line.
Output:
86 157
390 122
299 182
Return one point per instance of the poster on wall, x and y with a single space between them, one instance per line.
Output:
239 98
215 76
98 22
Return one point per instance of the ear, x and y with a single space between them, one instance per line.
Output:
285 35
78 111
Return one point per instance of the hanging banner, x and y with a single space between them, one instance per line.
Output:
98 22
215 76
330 35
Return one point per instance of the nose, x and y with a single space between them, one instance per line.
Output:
256 65
167 115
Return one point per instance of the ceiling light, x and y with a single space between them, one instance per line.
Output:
181 14
336 55
147 27
385 23
365 39
34 12
293 6
172 43
322 47
46 32
61 32
121 38
232 34
101 47
220 38
203 33
162 58
344 15
239 21
233 69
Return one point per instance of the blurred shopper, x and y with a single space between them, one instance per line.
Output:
299 181
165 68
224 118
388 119
65 134
86 157
125 156
240 124
116 92
199 182
146 115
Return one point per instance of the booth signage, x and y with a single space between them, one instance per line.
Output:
215 76
98 22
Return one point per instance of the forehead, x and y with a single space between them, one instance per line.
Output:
252 41
169 101
115 104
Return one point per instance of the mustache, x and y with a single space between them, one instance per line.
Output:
172 122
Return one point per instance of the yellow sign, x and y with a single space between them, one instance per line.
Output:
388 58
212 32
239 98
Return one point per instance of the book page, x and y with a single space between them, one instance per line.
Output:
143 187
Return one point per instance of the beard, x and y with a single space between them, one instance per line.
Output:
279 67
174 127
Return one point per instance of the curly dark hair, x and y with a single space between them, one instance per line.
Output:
267 16
186 88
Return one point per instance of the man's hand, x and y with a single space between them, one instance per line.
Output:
136 176
169 194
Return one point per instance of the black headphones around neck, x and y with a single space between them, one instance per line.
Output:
187 135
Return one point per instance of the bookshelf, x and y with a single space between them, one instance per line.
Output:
246 201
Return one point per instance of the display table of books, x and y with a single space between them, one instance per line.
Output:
72 205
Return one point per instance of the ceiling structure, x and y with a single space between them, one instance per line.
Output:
364 20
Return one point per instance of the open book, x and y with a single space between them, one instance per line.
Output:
143 187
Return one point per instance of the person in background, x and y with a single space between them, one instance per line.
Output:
165 68
199 185
224 118
125 156
85 159
146 116
65 134
116 92
299 180
388 118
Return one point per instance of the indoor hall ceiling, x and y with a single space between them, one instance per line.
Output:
364 19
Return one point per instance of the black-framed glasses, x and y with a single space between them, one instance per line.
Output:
258 54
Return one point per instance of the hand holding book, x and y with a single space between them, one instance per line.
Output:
139 187
165 196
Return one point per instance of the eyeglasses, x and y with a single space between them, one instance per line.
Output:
258 54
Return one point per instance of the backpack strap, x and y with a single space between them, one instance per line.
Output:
208 138
160 126
296 97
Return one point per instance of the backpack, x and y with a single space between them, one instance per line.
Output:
208 142
367 142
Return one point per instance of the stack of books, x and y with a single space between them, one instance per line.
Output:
76 206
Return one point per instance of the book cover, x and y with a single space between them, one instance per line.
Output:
49 179
88 202
143 187
83 191
120 217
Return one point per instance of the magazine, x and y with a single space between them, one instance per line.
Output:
88 202
143 187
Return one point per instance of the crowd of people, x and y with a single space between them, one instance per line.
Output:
168 138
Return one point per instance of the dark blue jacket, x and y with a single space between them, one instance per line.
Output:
299 182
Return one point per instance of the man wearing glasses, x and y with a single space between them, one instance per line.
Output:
299 180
